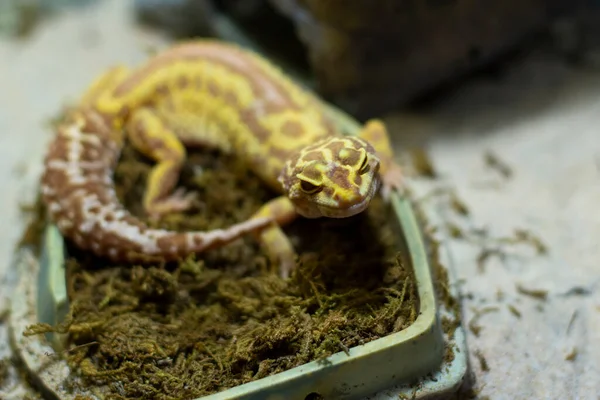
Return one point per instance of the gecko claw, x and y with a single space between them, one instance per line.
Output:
179 201
286 266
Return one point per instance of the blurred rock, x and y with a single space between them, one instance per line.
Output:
370 56
181 18
244 9
575 30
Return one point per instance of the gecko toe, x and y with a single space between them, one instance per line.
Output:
179 201
286 266
393 179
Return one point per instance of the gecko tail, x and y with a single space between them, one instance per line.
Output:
176 245
78 190
131 241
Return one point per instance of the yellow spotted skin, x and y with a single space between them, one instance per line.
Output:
212 94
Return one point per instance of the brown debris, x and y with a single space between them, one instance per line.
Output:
455 231
522 236
514 311
492 161
474 327
482 361
538 294
422 164
528 237
485 254
572 355
458 205
572 321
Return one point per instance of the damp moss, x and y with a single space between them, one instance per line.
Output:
225 318
32 235
3 371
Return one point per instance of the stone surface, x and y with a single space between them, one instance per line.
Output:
540 118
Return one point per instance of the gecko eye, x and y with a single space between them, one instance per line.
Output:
309 188
364 167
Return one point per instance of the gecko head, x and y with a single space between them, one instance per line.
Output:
336 178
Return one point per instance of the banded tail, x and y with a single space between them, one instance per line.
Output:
78 191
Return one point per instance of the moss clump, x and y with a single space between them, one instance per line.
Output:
3 371
33 233
225 318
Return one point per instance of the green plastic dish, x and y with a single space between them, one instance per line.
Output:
409 362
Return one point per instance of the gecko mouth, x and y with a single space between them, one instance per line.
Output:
332 212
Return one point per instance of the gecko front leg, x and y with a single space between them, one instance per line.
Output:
272 239
150 135
391 173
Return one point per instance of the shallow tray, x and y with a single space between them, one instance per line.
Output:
381 369
408 363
